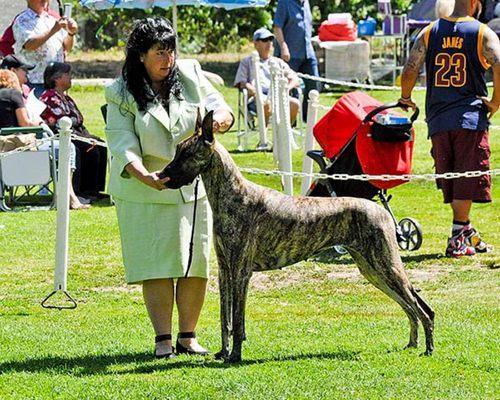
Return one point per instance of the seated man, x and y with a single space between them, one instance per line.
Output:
245 79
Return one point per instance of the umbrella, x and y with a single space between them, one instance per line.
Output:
144 4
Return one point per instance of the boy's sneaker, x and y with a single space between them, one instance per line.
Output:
458 248
473 239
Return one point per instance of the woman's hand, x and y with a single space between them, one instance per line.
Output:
153 180
222 120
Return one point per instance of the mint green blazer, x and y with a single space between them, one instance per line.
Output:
152 136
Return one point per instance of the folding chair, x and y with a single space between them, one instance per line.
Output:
247 120
24 175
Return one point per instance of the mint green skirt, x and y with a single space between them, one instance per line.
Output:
155 239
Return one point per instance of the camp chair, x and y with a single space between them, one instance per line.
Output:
24 175
245 117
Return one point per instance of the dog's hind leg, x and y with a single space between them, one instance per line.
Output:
374 248
370 273
427 318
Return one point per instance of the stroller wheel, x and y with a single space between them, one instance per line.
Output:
409 234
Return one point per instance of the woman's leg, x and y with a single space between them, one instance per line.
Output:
159 298
190 295
74 202
77 175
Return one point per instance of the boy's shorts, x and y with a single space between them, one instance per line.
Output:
460 151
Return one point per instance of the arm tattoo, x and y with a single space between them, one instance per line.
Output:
491 47
417 55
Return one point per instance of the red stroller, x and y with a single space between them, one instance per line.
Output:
354 143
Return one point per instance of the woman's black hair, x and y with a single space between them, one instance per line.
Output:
147 33
53 71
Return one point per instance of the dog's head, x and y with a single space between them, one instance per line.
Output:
192 155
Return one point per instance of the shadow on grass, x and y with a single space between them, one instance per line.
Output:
99 364
249 151
329 256
421 257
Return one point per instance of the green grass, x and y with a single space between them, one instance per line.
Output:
315 331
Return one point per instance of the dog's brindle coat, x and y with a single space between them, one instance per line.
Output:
258 229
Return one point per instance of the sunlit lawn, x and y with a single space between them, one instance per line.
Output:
314 330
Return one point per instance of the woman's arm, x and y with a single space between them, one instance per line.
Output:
24 120
138 171
223 116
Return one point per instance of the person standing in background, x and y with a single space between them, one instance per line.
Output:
293 32
457 51
40 39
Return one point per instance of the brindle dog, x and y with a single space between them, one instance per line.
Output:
258 229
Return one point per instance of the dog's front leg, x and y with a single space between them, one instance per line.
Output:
225 311
240 281
225 294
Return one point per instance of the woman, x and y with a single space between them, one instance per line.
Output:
12 109
90 177
151 108
13 113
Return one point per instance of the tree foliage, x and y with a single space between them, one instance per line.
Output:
207 29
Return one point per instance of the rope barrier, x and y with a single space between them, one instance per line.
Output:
354 84
366 177
89 141
358 85
419 121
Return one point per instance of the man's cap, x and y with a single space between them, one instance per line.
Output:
262 34
12 61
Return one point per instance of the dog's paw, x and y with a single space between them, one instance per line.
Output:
221 355
233 358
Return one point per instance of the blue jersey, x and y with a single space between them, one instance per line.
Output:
455 68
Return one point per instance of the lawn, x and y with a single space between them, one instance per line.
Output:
315 330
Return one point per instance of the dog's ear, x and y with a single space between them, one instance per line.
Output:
198 126
207 128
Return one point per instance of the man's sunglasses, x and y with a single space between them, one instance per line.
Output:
269 39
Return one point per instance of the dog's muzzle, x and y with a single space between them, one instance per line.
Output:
175 182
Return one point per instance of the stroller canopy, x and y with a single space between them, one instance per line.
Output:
344 122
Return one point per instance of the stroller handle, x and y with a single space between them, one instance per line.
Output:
387 106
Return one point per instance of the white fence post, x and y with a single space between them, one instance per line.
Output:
63 187
312 115
275 109
263 145
285 135
63 184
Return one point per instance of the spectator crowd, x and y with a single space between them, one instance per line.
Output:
34 48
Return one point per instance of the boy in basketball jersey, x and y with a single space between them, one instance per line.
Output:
457 51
